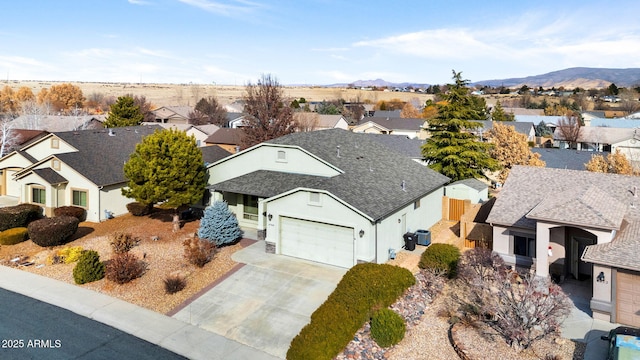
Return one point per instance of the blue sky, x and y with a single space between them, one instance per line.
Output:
233 42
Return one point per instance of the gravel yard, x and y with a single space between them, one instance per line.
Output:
163 257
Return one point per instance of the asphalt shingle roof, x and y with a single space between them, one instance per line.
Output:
565 158
593 200
100 156
51 176
264 183
402 144
472 183
211 154
396 123
373 173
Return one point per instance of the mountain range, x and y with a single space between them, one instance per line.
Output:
570 78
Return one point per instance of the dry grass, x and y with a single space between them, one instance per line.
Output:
163 257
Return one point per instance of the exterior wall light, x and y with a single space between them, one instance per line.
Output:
269 217
600 277
361 233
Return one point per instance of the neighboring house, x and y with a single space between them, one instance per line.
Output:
199 132
614 123
236 120
172 114
329 196
521 127
82 168
605 139
331 122
411 148
523 111
56 123
468 189
566 159
575 223
387 113
411 127
229 139
211 154
19 137
550 121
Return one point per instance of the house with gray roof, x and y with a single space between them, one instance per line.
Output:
566 159
331 196
468 189
411 127
81 168
575 223
521 127
172 114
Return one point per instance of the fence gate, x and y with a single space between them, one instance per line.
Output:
456 209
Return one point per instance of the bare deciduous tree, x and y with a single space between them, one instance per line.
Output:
307 121
268 117
211 112
521 307
8 139
569 128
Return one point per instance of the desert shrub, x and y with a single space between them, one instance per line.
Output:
440 258
219 224
387 327
19 215
521 307
89 268
198 251
53 231
139 209
364 288
70 254
74 211
174 283
14 236
122 242
124 267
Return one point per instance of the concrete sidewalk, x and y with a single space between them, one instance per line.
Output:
172 334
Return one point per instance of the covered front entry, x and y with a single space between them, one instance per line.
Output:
316 241
628 298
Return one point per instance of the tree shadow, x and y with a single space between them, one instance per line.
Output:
81 232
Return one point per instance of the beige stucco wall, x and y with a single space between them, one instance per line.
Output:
43 148
265 157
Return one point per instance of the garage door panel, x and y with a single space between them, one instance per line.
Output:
628 298
316 241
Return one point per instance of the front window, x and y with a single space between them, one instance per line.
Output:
79 198
38 195
524 245
250 207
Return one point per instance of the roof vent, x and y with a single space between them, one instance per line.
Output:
404 185
111 133
338 150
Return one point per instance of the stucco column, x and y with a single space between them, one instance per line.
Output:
542 248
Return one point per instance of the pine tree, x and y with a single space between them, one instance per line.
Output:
452 150
166 167
499 114
219 224
124 112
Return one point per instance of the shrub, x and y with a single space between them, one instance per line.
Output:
219 224
174 283
53 231
123 242
139 209
89 268
74 211
440 258
19 215
14 236
70 254
198 251
387 327
124 267
364 288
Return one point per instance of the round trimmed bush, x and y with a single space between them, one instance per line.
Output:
19 215
14 236
440 257
89 268
53 231
74 211
387 327
139 209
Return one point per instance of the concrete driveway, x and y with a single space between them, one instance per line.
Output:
266 302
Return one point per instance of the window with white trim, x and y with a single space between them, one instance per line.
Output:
38 195
79 198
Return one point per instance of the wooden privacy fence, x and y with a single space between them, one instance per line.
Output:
452 209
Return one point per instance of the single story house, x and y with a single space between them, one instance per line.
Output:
330 196
82 168
229 139
410 127
575 223
57 123
566 159
331 122
605 139
172 114
199 132
468 189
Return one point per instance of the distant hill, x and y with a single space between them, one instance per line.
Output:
379 83
573 77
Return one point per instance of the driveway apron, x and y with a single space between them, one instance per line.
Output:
265 303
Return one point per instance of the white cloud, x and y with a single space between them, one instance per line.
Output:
139 2
224 8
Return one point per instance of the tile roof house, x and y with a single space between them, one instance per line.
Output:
330 196
574 223
82 168
411 127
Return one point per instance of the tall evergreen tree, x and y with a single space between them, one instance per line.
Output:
499 114
124 112
166 167
451 150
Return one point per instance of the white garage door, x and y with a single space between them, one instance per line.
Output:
628 298
316 241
